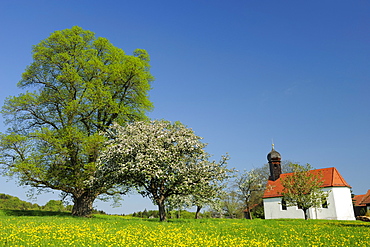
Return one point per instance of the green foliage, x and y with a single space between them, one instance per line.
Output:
173 214
11 202
181 214
82 84
10 212
54 205
302 189
258 211
14 203
363 212
232 205
206 214
146 214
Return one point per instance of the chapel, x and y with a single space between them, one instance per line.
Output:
338 205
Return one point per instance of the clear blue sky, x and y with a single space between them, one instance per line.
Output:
240 73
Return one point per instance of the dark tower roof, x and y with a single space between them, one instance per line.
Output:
274 159
273 155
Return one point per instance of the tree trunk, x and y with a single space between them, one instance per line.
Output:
197 212
249 215
305 211
83 204
162 210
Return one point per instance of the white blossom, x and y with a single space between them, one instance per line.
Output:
160 159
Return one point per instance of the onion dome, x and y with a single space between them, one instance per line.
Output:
273 155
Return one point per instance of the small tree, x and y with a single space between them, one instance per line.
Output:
217 208
302 189
232 205
206 195
178 202
160 159
250 188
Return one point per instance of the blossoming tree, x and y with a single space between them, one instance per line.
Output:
302 189
249 188
160 159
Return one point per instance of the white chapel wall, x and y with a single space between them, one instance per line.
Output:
343 203
339 207
329 213
273 210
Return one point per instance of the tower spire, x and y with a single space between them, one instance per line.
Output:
274 159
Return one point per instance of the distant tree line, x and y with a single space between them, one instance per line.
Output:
14 203
174 214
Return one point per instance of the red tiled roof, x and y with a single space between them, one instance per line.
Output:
362 200
357 200
331 178
366 199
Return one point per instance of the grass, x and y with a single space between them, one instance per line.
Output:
54 229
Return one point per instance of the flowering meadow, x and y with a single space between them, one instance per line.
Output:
122 231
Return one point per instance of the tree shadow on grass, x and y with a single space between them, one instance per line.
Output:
10 212
354 225
360 224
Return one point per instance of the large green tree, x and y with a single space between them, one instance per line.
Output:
81 85
161 159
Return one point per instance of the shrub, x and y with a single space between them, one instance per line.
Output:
367 213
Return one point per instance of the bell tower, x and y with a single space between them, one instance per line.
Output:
274 159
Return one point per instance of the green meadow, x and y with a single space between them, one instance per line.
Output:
37 228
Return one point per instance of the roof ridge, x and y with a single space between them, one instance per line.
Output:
366 198
340 177
330 177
